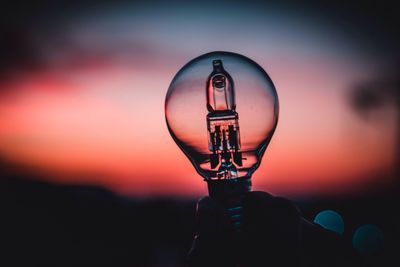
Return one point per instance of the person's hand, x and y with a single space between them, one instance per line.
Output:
272 233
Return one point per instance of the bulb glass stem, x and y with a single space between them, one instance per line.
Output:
222 123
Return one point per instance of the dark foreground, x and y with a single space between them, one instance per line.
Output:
51 225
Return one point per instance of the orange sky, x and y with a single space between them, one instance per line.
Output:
93 112
84 123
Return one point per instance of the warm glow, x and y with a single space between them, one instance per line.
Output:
99 118
109 129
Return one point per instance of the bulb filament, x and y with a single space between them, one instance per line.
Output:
223 123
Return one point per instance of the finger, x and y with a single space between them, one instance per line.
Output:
211 245
270 229
211 217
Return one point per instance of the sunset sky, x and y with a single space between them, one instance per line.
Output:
91 111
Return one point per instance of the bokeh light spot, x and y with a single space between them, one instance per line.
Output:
368 240
330 220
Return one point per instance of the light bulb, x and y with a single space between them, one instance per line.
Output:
222 109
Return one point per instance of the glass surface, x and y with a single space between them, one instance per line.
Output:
222 109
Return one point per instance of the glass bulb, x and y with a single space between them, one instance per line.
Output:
222 109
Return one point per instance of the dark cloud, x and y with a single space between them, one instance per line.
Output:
20 21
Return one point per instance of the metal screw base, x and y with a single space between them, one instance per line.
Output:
231 192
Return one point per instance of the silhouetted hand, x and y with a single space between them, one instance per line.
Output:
272 233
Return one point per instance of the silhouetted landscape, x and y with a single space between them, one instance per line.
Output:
53 225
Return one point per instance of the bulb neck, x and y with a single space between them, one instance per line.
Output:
228 188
